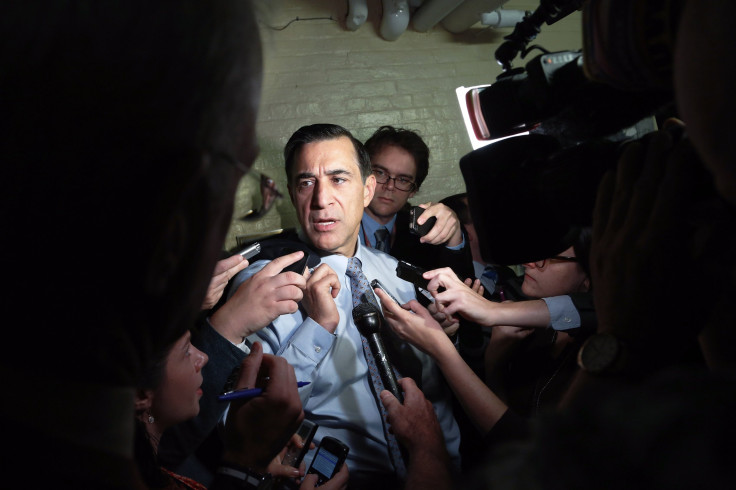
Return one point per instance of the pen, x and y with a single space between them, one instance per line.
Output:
248 393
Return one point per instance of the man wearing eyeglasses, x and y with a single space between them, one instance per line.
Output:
400 163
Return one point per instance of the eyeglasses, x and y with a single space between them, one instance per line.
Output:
401 183
540 264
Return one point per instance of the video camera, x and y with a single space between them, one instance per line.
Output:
575 109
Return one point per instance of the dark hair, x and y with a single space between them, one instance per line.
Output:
408 140
145 457
106 116
322 132
580 238
459 204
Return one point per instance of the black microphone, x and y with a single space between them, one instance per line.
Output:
369 321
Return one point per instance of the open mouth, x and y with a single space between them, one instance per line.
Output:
324 225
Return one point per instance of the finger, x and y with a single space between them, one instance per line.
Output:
277 265
251 366
389 400
232 271
309 482
228 263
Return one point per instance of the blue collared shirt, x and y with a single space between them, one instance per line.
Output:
369 226
340 397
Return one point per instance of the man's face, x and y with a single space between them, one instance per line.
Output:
329 195
398 163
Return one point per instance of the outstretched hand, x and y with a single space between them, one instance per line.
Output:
259 300
413 323
257 429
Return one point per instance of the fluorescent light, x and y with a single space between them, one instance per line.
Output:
461 93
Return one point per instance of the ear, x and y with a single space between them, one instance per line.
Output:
143 400
586 285
369 188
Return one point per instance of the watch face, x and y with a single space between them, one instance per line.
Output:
598 353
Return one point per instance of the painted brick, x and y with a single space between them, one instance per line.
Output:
318 71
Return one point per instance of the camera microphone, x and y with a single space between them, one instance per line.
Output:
369 321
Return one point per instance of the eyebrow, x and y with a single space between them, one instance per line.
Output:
397 175
187 340
311 175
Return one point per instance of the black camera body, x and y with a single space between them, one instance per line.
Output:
540 188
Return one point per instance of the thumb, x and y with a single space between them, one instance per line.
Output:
388 399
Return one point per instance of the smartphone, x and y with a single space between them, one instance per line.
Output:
295 454
375 283
299 266
328 459
412 274
251 250
414 227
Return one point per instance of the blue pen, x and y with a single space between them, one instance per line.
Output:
248 393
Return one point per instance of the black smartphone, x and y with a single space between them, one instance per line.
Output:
299 266
414 227
251 250
328 459
375 283
412 274
295 454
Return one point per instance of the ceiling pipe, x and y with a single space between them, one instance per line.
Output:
502 18
357 14
395 19
431 12
468 14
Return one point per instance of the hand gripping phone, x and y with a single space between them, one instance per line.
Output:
414 227
411 273
328 459
295 454
375 283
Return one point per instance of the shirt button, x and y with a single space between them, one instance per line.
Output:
317 349
568 320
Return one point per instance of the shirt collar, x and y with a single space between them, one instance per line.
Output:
370 226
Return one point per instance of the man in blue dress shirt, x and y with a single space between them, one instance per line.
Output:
330 183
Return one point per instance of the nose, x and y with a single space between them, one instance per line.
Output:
389 184
321 196
200 359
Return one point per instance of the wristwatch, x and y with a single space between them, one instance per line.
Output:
601 353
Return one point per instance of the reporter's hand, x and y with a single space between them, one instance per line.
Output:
414 423
279 470
322 288
413 323
449 323
257 429
502 343
262 298
225 270
460 298
337 482
446 230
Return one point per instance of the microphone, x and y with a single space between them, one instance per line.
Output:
369 321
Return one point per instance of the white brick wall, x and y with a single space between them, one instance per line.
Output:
318 71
